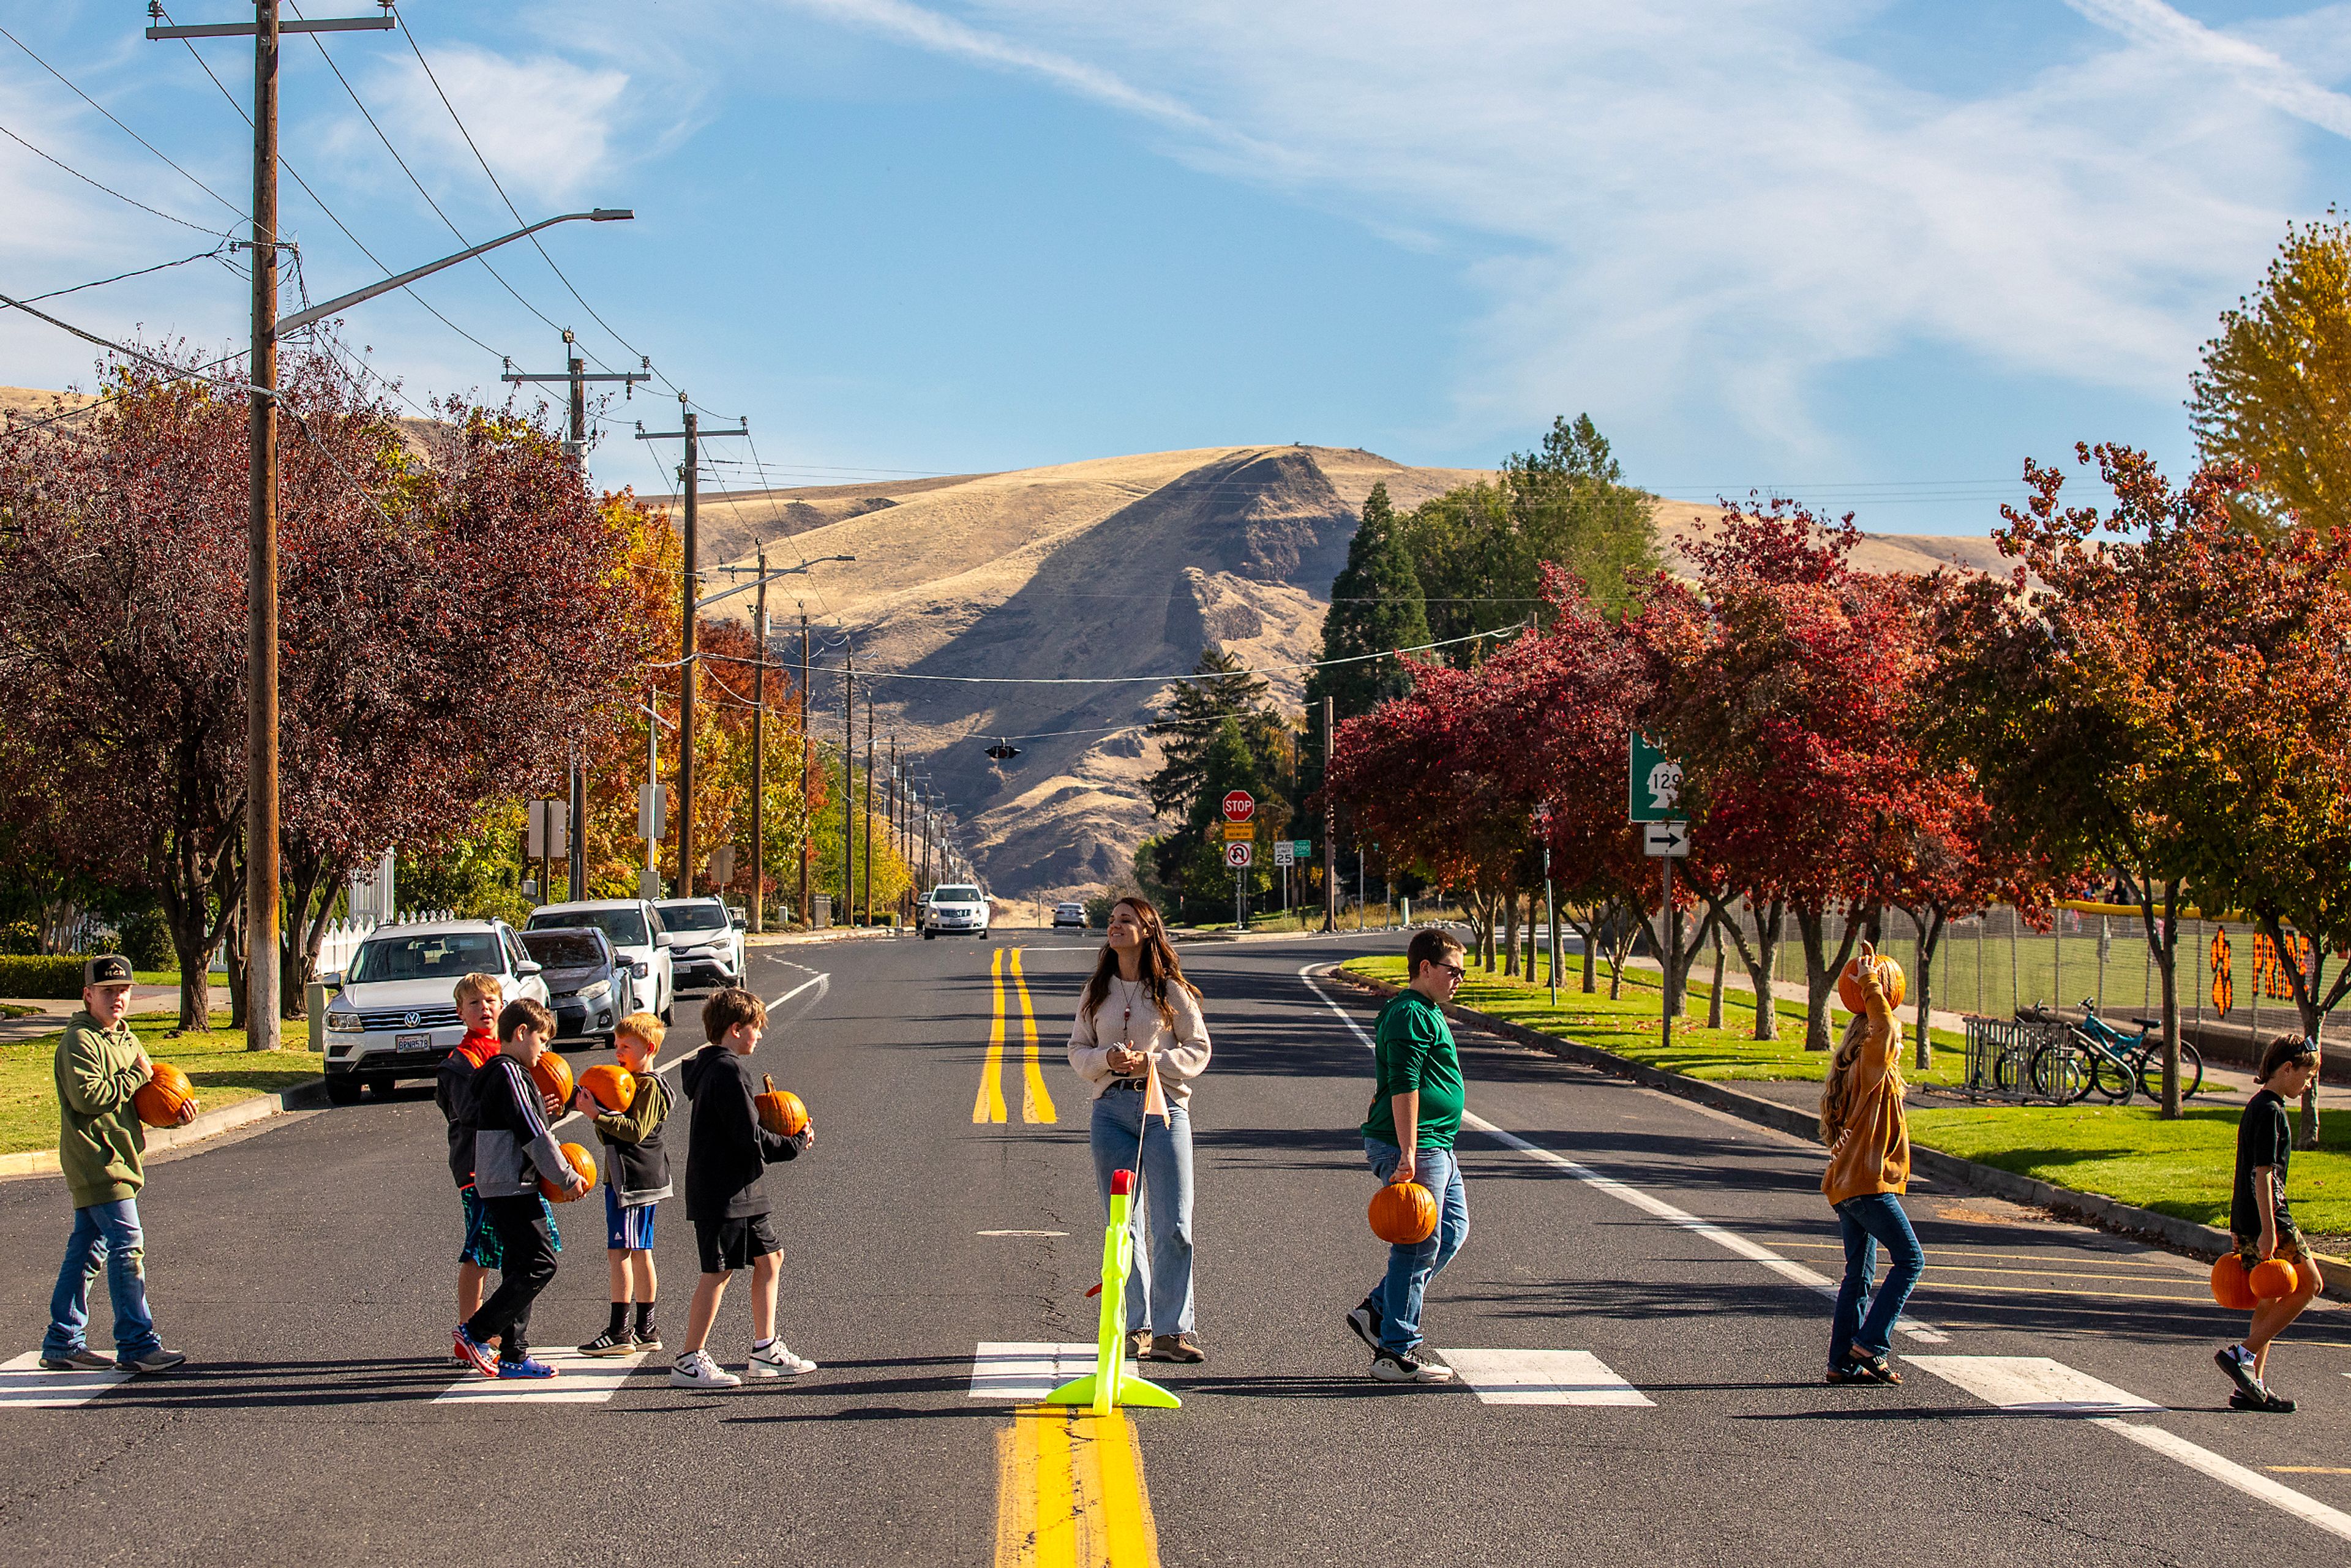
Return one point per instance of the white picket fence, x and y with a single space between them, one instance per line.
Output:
343 936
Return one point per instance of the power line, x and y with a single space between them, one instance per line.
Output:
242 216
409 289
120 277
95 185
1498 634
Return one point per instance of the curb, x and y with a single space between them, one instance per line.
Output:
211 1124
2201 1243
828 934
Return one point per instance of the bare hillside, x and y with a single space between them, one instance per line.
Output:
977 594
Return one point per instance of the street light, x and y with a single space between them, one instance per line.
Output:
321 312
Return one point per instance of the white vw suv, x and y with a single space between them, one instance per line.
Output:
396 1016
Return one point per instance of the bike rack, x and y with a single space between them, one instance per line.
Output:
1992 1042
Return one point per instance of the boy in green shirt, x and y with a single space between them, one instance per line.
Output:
99 1066
1408 1137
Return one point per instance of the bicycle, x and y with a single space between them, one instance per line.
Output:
2142 1053
2094 1055
2056 1067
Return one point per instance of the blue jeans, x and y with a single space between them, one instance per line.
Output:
1398 1295
1868 1220
106 1236
1159 1286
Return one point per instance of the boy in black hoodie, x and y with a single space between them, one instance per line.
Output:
728 1153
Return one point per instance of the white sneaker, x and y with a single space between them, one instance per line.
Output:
777 1360
696 1370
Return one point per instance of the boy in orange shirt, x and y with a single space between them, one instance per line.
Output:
479 998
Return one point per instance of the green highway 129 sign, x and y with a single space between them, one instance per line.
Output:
1656 781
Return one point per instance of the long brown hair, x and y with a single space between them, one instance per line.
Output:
1159 964
1837 1095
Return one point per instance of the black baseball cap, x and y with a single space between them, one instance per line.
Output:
106 969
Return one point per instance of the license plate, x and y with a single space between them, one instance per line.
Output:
414 1041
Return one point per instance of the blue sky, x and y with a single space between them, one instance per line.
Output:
1874 254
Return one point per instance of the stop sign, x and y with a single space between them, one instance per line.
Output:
1240 806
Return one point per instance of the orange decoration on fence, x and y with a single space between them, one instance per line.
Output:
2224 987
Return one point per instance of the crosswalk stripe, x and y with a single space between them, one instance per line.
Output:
581 1380
1021 1371
1647 1202
2031 1385
1542 1377
25 1385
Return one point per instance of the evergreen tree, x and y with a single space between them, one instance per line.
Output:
1197 709
1375 604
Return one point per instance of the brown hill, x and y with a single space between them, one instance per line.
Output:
976 592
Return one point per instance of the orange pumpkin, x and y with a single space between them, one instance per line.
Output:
553 1076
160 1099
582 1162
1889 974
780 1110
2272 1278
2229 1286
612 1087
1403 1213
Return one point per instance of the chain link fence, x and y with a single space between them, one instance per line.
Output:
1992 964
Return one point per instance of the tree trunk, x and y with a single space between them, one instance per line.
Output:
1509 933
239 1004
1930 934
2307 1007
1590 932
2162 934
1759 960
1821 971
1714 1003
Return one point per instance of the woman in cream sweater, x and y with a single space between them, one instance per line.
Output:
1869 1167
1138 1014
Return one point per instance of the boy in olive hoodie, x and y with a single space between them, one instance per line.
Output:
99 1066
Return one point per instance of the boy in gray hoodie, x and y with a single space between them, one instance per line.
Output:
512 1151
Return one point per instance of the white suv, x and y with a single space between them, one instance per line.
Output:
708 956
396 1016
956 909
638 935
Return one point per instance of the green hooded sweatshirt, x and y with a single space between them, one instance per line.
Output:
100 1137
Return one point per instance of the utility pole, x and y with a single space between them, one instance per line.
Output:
808 815
894 847
575 375
760 757
1330 832
690 477
261 880
869 806
849 784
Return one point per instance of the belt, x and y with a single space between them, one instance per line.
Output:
1137 1084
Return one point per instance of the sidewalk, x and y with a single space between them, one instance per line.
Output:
51 1016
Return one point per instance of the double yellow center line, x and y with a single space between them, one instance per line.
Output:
1070 1493
1036 1100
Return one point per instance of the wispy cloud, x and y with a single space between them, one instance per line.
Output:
548 125
1699 215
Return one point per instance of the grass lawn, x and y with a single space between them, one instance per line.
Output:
1630 1027
2130 1153
215 1059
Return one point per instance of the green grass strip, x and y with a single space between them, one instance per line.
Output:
215 1059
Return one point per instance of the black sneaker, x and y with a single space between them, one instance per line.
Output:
2238 1363
1408 1366
649 1338
2267 1403
1365 1319
607 1344
154 1361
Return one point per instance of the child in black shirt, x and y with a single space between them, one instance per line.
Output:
2259 1221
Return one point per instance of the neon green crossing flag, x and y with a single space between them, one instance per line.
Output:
1656 783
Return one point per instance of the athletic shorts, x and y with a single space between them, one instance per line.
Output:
727 1245
481 1248
628 1228
2291 1246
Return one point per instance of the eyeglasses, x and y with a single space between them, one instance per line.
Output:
1456 970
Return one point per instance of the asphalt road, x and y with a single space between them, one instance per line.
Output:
308 1272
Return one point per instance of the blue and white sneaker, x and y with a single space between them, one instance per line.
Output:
528 1366
474 1354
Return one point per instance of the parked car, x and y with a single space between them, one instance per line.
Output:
956 909
638 934
587 982
1069 912
709 951
395 1016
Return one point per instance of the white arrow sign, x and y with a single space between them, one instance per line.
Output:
1661 839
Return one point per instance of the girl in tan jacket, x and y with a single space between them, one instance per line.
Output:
1869 1166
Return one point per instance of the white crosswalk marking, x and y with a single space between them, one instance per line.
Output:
2032 1384
1021 1371
580 1380
23 1385
1542 1377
